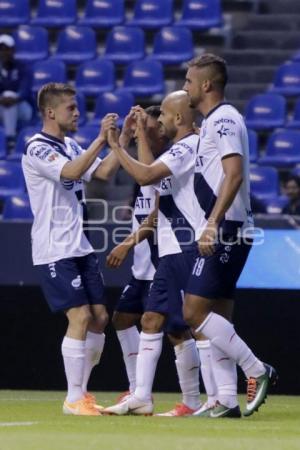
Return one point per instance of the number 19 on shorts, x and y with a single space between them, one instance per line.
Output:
198 267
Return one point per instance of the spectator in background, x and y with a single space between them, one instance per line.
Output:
292 191
14 90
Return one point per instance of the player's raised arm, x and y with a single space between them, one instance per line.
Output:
73 170
142 173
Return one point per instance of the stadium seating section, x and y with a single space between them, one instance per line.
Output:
118 53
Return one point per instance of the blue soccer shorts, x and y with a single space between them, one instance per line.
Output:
134 297
72 282
216 276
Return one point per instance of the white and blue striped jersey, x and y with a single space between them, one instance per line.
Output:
179 211
57 204
223 133
145 255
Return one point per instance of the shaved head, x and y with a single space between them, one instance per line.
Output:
176 112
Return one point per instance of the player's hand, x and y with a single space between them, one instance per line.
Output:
107 123
128 129
208 239
117 256
141 118
113 137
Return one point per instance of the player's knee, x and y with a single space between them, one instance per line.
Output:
151 323
189 315
82 318
99 322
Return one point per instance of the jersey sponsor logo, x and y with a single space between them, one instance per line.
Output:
143 203
223 131
40 151
76 283
166 184
224 120
176 152
199 161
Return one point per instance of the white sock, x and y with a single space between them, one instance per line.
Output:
149 353
129 340
187 364
73 352
224 369
93 350
204 349
222 334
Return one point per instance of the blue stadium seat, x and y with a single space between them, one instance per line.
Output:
31 43
253 145
266 111
103 14
82 107
296 171
264 182
3 149
283 149
23 136
118 102
287 79
275 205
144 78
14 12
201 14
11 179
151 14
76 44
125 44
17 207
173 45
56 13
295 121
85 135
47 71
95 76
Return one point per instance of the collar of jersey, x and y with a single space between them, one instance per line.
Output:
58 141
52 138
184 137
215 108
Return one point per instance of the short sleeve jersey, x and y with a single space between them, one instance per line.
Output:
179 209
223 133
57 204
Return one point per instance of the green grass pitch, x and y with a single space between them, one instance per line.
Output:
33 421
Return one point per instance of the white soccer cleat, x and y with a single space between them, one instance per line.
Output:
130 405
205 410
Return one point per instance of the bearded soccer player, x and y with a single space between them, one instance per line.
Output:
223 191
55 167
174 174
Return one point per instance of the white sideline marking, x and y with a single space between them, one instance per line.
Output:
17 424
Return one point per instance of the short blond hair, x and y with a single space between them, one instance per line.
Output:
50 92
